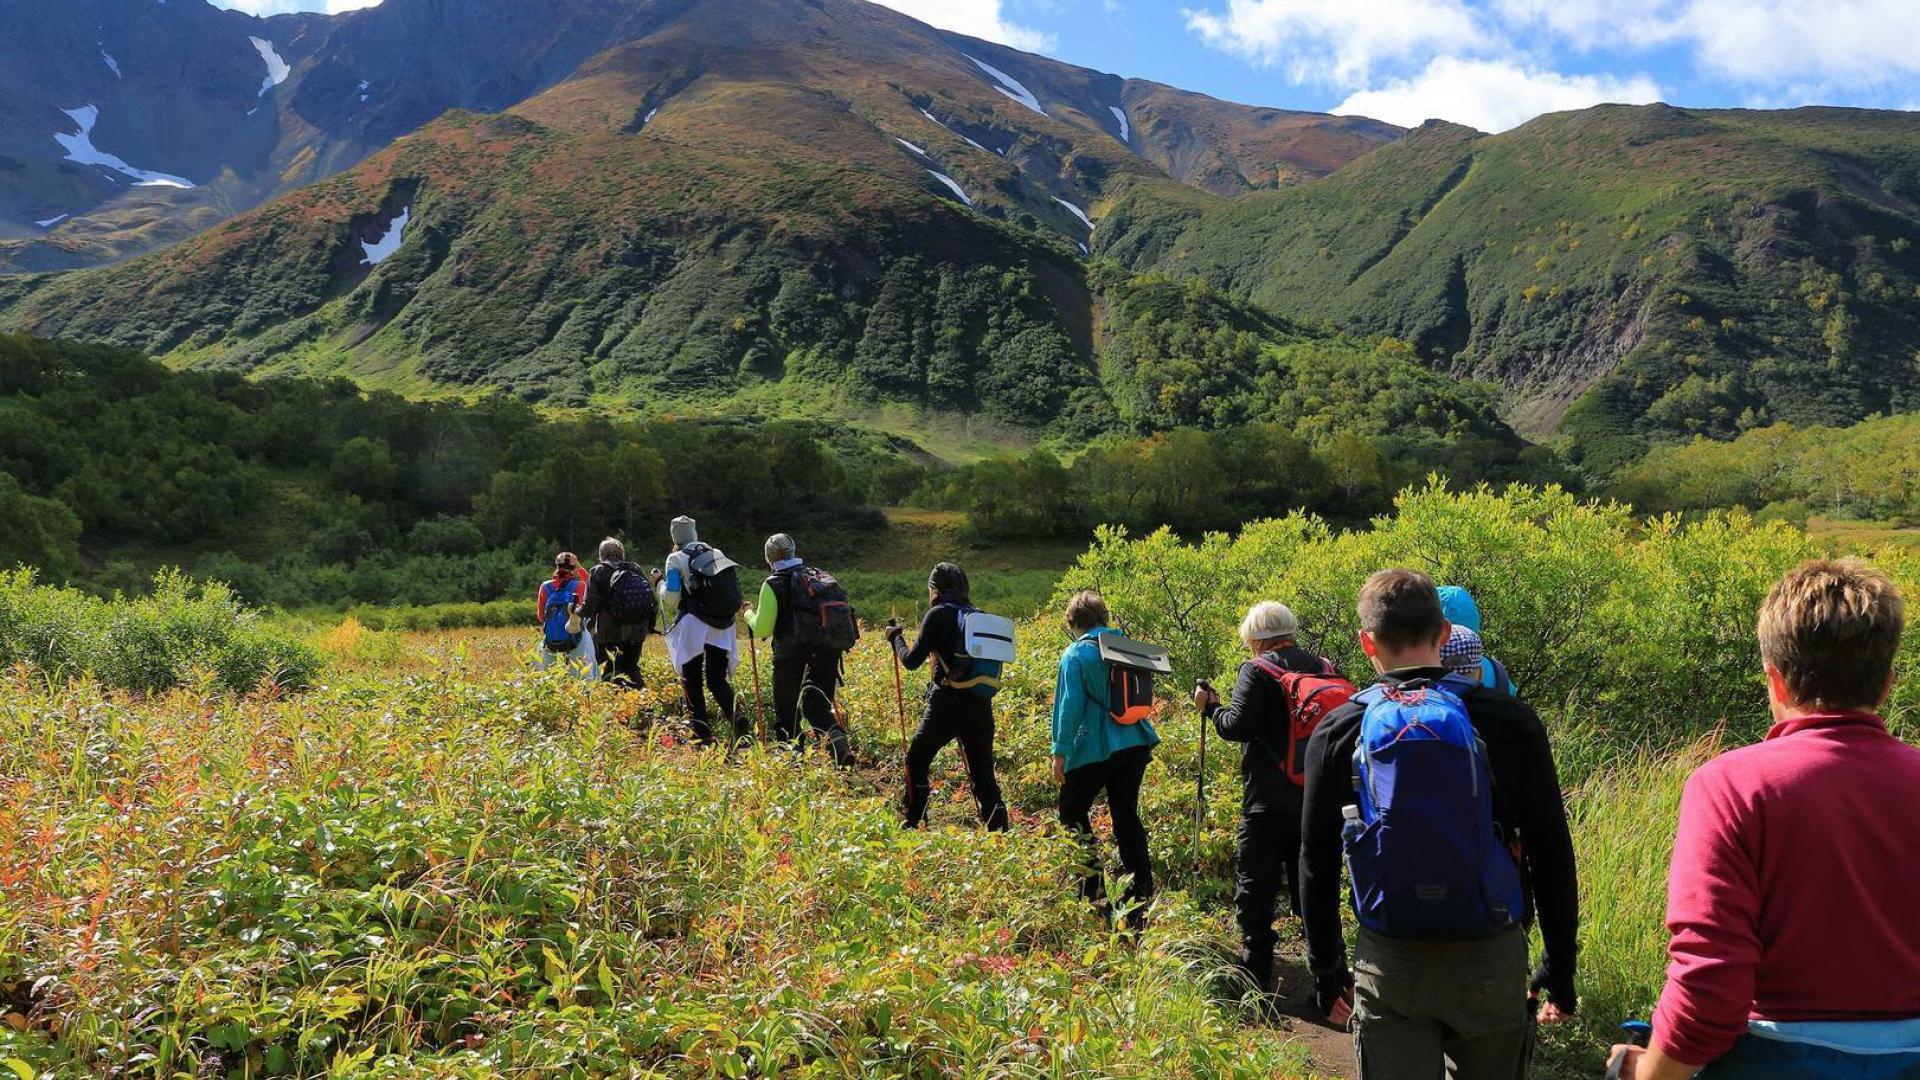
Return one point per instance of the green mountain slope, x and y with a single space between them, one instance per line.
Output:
774 203
1626 273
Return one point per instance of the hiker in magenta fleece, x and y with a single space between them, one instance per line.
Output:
1791 902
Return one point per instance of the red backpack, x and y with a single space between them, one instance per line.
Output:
1311 696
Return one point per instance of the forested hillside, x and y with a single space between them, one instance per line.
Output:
1625 274
302 491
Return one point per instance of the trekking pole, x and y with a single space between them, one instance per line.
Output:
759 708
1200 779
900 702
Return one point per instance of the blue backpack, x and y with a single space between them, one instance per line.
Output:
559 605
1425 860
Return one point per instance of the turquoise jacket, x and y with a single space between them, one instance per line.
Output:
1084 733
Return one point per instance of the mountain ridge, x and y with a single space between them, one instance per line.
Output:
349 84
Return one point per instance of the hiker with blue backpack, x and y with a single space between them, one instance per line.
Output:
564 637
806 613
959 698
1103 740
699 598
1438 797
620 610
1280 696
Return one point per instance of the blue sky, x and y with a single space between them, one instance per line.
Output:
1489 63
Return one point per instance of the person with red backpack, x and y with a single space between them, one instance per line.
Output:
1278 699
807 614
1438 798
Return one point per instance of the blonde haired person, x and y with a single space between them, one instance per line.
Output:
1790 902
1259 716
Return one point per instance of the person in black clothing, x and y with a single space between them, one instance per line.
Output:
1419 1000
1260 716
950 714
803 682
618 639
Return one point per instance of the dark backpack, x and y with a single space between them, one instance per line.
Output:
1426 860
556 639
1131 666
630 596
1311 695
712 588
823 620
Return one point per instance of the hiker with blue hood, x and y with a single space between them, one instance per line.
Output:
959 702
1458 605
700 600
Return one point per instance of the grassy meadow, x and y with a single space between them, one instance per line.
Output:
424 859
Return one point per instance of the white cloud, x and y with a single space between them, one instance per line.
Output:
1586 24
1492 95
975 18
1338 41
1846 42
1840 43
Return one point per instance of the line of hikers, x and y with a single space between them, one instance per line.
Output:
1433 793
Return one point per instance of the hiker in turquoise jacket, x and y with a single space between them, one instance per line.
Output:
1093 753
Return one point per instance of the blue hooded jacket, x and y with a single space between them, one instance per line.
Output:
1458 605
1083 730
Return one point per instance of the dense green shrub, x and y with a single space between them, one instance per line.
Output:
445 616
1625 634
183 632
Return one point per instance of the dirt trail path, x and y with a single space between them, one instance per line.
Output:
1330 1049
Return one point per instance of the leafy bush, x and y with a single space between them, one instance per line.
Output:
182 632
445 616
1624 634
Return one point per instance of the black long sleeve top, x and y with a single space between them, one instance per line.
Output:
1526 797
1260 716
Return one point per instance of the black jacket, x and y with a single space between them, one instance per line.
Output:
606 629
1260 716
781 582
1526 797
939 637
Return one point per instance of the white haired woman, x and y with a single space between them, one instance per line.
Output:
1260 717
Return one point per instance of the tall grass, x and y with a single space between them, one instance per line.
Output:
481 873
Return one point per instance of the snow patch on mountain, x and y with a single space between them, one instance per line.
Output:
651 113
79 147
378 251
112 64
1076 211
277 69
52 221
1010 86
952 185
1126 129
910 146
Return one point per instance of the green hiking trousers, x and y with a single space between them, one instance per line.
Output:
1427 1009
